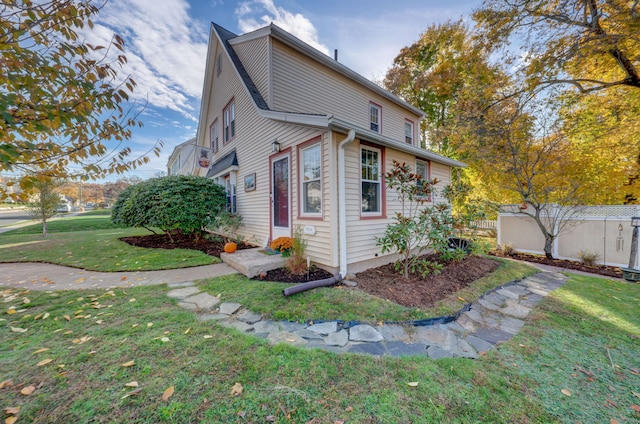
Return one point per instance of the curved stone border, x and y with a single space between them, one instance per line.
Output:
493 319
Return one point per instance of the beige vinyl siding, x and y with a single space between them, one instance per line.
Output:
303 85
254 55
361 233
443 174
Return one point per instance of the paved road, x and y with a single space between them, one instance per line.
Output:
10 217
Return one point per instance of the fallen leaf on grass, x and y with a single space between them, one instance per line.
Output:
46 315
413 384
67 317
636 408
164 339
168 393
28 390
44 349
18 329
12 410
614 421
11 311
149 324
10 420
132 393
566 392
207 336
44 362
129 364
349 409
131 384
237 389
6 383
187 330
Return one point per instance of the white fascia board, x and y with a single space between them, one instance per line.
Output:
206 86
225 172
321 121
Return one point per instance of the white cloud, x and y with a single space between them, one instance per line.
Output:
254 14
165 48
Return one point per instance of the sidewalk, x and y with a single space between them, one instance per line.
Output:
41 276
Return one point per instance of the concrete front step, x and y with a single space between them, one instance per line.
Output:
252 262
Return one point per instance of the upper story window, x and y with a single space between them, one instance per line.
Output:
408 132
311 169
375 117
370 179
214 136
218 64
229 118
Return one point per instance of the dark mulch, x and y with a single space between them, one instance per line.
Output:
281 275
606 270
418 291
180 241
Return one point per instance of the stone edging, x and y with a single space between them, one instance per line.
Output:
478 327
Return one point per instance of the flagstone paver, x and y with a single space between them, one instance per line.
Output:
493 319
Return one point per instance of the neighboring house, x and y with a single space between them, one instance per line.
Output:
301 141
183 158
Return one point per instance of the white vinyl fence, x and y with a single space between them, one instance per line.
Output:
604 230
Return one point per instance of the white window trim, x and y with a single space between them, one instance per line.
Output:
379 212
214 135
413 132
379 123
228 121
427 166
303 199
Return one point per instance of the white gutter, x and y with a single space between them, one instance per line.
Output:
342 208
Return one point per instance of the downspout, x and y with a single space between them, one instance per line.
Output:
342 208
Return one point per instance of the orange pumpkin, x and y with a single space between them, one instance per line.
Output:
230 247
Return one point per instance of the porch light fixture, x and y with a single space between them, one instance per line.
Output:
635 221
275 146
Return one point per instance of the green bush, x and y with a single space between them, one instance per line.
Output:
179 202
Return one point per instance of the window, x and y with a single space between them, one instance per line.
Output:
214 135
422 169
370 181
229 116
219 64
375 112
408 132
311 184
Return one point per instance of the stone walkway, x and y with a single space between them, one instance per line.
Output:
494 318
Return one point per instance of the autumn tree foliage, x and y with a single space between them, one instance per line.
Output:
63 101
589 44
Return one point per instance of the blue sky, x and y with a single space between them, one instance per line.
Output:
166 42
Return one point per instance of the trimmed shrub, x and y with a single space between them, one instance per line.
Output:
179 202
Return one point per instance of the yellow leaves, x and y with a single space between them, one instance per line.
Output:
566 392
27 391
18 330
11 310
149 324
412 384
128 364
11 420
44 362
67 317
6 383
81 340
237 389
168 393
44 349
131 384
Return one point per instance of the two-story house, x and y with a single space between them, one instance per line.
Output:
301 141
183 158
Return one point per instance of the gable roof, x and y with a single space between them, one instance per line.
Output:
227 39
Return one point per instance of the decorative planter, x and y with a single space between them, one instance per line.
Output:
632 275
230 247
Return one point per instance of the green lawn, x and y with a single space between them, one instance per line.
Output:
91 241
583 340
80 352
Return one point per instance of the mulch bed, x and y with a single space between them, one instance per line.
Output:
384 281
605 270
418 291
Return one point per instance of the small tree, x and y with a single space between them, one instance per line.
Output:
415 227
184 203
47 200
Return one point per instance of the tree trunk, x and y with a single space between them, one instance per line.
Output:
548 247
44 228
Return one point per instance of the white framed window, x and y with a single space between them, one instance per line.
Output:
311 190
422 169
229 121
370 181
214 135
375 117
408 132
